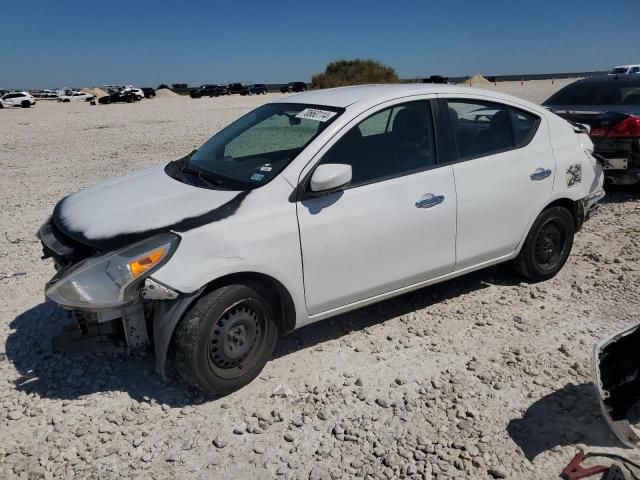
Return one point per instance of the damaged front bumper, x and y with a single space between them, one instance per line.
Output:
616 371
112 297
147 324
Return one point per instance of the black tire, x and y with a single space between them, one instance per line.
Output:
66 100
25 104
547 245
224 341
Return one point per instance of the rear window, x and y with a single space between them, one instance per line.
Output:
598 93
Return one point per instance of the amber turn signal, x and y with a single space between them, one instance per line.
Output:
141 265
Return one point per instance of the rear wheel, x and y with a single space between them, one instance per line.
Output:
25 104
547 245
225 340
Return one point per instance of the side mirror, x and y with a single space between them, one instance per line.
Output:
330 177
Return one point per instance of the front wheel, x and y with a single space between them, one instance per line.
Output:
547 245
224 341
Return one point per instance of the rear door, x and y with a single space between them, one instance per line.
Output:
394 225
504 176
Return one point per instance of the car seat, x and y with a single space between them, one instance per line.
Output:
412 145
498 136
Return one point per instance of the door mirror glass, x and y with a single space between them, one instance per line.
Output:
330 177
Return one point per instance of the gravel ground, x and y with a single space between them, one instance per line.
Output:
479 377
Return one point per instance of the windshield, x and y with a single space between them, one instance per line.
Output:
619 70
598 93
257 147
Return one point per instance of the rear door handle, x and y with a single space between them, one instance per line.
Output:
540 174
429 200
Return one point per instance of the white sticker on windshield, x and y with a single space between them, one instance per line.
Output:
315 114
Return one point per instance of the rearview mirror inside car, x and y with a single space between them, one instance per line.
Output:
330 177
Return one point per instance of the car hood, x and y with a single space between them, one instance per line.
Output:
123 210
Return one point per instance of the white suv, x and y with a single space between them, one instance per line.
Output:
312 206
17 99
625 69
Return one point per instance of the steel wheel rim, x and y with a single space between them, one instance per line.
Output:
237 338
549 245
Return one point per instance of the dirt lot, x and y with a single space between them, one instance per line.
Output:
480 377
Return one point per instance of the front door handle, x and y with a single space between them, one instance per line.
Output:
429 200
540 174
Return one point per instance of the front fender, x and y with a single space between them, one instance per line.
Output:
166 316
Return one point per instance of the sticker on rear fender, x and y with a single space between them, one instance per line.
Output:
315 114
574 174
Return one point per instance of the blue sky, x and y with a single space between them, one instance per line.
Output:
48 44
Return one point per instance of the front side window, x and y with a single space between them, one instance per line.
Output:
258 146
393 142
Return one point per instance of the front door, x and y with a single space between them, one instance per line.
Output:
394 226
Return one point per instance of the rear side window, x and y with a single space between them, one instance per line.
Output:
524 126
486 128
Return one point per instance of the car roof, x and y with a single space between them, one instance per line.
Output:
346 96
627 77
628 66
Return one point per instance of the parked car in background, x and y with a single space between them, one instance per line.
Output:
46 94
148 92
234 88
17 99
610 107
127 96
76 97
625 69
328 179
139 94
294 87
209 91
254 89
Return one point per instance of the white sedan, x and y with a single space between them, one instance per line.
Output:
76 97
312 206
17 99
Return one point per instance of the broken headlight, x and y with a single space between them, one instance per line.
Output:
109 280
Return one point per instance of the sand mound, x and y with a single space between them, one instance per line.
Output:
98 92
166 93
477 78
